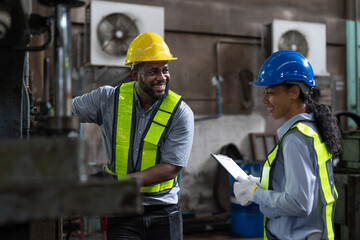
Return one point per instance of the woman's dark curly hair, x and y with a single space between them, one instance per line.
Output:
326 122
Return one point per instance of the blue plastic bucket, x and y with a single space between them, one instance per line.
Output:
246 221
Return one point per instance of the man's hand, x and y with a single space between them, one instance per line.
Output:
159 173
244 190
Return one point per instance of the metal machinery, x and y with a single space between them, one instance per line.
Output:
347 180
42 166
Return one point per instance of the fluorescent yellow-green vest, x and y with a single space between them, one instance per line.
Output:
151 139
328 190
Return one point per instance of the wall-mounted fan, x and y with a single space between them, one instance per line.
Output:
295 41
306 38
111 26
115 33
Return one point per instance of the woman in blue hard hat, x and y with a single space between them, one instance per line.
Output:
298 194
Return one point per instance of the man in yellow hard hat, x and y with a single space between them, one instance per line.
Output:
148 132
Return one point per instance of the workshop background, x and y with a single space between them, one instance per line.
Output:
53 50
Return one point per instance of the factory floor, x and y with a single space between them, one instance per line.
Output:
215 235
195 227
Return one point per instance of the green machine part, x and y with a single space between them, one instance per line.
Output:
351 150
347 212
353 66
347 182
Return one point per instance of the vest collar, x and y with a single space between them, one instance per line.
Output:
138 103
288 124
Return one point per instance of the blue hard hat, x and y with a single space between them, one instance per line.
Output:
285 66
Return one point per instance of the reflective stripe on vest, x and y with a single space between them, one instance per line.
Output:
152 139
328 190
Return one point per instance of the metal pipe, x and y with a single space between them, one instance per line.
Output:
46 88
219 79
45 105
78 66
356 57
45 46
63 61
78 50
25 103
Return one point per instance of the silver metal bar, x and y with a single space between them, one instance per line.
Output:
25 103
63 62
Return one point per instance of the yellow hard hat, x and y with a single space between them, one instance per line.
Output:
148 47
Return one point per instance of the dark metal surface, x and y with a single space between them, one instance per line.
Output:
45 178
61 124
13 34
41 160
347 212
46 200
347 181
69 3
11 68
350 156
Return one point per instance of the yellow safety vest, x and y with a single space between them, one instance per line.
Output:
328 190
150 143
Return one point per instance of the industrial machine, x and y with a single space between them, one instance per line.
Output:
347 181
42 177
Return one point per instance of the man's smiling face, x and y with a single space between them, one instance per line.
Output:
153 78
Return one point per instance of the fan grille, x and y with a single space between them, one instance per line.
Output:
294 40
115 33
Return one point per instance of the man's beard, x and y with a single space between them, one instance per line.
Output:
151 93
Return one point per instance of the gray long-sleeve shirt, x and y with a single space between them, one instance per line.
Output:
98 107
294 205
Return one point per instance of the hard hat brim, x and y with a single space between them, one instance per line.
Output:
157 60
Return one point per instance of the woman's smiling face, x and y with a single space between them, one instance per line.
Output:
278 100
